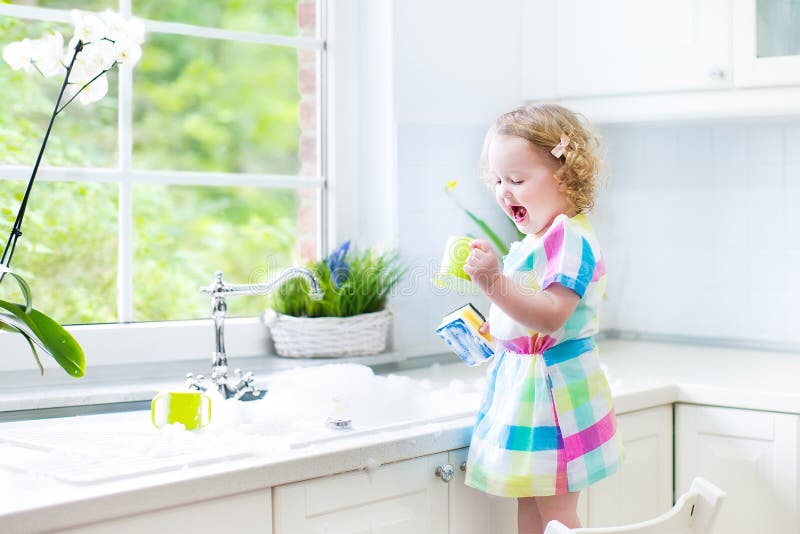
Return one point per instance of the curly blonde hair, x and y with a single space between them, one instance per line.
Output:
543 125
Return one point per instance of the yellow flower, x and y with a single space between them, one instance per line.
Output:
498 242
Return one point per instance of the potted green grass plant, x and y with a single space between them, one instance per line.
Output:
351 319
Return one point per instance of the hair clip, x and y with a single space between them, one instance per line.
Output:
558 150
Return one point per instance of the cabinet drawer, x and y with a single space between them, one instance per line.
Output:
400 497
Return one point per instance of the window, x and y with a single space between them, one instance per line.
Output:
206 157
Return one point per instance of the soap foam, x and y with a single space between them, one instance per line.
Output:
300 400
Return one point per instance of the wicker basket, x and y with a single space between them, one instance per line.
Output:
310 337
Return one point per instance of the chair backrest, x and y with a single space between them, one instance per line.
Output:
694 513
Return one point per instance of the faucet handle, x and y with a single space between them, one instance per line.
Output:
215 286
194 383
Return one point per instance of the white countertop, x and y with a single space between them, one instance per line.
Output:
641 374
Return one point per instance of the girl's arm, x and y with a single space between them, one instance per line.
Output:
544 311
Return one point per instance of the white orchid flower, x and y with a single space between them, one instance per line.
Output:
116 26
18 55
95 91
108 40
127 51
94 59
135 30
88 27
81 74
91 93
46 53
70 50
100 54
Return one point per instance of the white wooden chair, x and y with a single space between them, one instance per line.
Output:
694 513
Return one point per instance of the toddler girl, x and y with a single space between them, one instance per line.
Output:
546 428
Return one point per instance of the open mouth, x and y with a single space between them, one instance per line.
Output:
518 213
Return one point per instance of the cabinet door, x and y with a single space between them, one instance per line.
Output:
638 46
248 512
767 46
475 512
750 455
642 488
395 498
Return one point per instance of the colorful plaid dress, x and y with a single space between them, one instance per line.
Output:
547 425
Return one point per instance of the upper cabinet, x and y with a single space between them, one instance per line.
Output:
635 60
640 46
767 45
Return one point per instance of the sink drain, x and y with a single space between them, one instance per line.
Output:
339 423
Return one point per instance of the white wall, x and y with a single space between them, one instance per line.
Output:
457 65
700 227
429 156
456 61
698 220
700 224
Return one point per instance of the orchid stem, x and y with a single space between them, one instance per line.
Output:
80 90
16 231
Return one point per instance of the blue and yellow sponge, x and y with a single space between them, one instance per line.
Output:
460 330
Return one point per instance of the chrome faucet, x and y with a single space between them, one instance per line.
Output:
239 386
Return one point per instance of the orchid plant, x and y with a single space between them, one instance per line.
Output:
491 234
99 43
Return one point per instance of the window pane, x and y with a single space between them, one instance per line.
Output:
68 248
282 17
81 135
86 5
777 27
183 234
210 105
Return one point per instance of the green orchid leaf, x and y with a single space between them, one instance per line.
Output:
23 286
49 335
34 352
498 242
7 326
12 323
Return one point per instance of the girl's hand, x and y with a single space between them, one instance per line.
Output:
484 329
482 265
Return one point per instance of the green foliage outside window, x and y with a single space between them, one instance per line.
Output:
199 105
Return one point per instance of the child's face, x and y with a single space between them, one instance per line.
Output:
524 185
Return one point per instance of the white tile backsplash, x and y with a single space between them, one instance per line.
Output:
765 144
714 253
792 143
699 224
428 156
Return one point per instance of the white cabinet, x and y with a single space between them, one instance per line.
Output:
248 512
642 489
401 497
750 455
407 496
642 60
767 43
473 511
640 46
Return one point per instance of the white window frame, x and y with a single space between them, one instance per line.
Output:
126 342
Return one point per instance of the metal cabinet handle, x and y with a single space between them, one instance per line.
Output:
445 472
717 73
463 467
